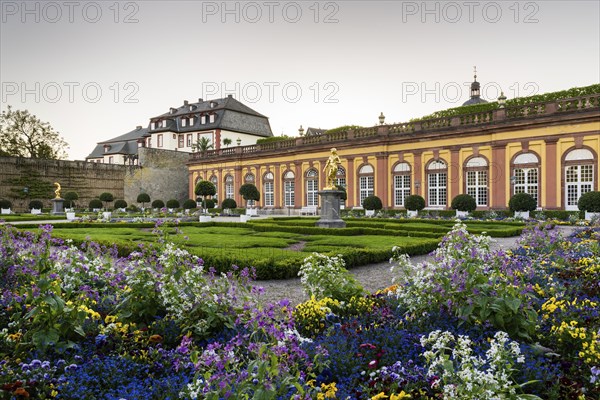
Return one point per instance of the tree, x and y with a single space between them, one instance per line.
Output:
205 188
203 144
106 198
249 192
143 198
24 135
70 197
227 142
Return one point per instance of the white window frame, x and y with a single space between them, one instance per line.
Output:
269 190
229 193
312 187
437 184
289 189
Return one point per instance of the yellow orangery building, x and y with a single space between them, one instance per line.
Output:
547 148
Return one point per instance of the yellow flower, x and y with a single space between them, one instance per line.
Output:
400 396
379 396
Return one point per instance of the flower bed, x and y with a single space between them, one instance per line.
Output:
80 322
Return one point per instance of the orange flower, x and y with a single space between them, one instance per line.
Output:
21 392
155 339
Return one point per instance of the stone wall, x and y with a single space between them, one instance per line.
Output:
87 179
163 174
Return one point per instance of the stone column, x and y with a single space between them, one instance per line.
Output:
551 163
330 209
499 174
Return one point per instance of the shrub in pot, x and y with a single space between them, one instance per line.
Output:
249 192
189 204
463 203
158 204
590 203
5 205
106 198
372 204
210 203
521 204
143 198
70 197
205 188
35 204
228 204
172 204
120 204
95 204
414 202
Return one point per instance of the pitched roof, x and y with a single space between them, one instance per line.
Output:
123 144
314 131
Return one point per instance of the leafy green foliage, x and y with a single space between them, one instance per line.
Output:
31 180
95 203
522 202
322 276
249 192
229 204
205 188
70 197
106 197
189 204
589 202
203 144
143 198
38 205
5 203
414 202
24 135
372 203
273 139
172 203
342 129
158 203
210 203
120 204
464 202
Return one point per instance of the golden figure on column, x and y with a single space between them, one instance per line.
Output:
331 169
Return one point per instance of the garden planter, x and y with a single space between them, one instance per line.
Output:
588 215
205 218
251 211
96 210
462 214
245 218
70 215
369 213
5 210
36 211
522 214
106 215
412 214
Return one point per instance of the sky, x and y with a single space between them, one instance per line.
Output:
96 69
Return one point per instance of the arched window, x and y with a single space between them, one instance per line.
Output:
289 189
525 177
401 183
229 194
437 180
312 187
476 178
215 181
268 189
366 182
579 176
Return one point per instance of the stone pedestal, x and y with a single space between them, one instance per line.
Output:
58 206
330 209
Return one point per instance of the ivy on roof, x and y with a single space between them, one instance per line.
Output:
519 101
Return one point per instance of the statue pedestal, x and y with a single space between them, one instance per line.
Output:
330 209
58 206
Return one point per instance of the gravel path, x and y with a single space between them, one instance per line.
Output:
373 277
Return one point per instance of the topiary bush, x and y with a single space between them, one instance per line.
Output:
210 203
143 198
132 208
205 188
120 204
70 197
249 192
372 203
522 202
158 204
228 204
189 204
172 203
38 205
5 203
464 202
414 202
95 203
589 202
106 197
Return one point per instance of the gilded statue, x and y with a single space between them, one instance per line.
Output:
57 191
331 169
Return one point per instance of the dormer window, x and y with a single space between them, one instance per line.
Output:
164 123
184 122
152 125
213 104
211 118
203 119
106 148
191 121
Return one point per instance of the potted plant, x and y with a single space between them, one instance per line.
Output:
205 188
371 204
227 205
158 204
5 206
463 204
249 192
143 198
188 205
590 203
521 204
413 204
95 205
106 198
172 205
35 206
70 197
121 205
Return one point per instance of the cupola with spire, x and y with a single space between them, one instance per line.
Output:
475 92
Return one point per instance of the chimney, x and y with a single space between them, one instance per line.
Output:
137 128
200 100
185 102
229 96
